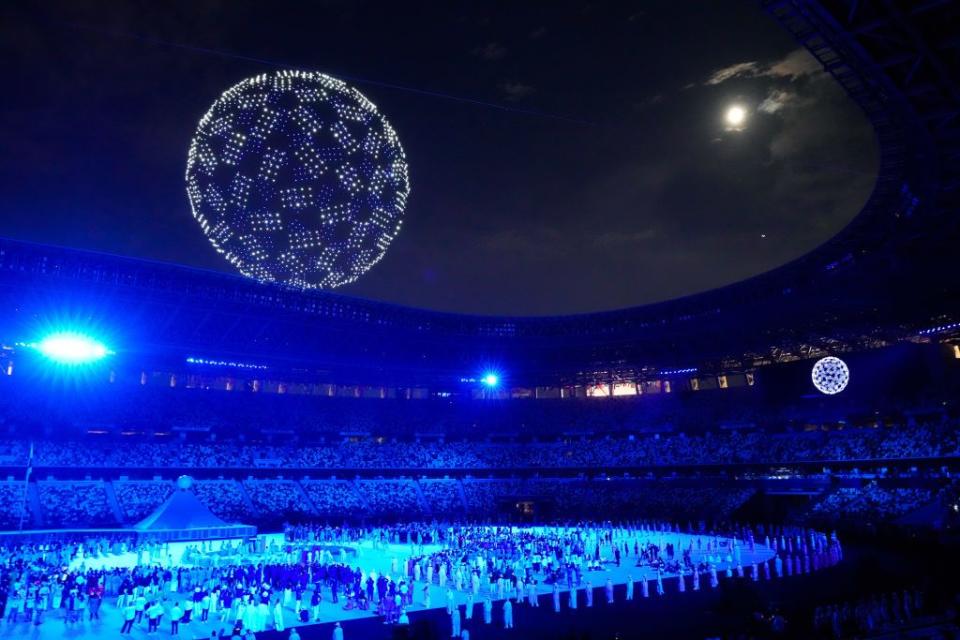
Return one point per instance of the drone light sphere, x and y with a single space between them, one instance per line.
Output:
297 178
830 375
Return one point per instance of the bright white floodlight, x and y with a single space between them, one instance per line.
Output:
71 348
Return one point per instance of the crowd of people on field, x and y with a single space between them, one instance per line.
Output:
868 615
469 567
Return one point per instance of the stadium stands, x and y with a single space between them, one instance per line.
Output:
887 443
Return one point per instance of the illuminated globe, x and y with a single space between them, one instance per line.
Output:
830 375
295 177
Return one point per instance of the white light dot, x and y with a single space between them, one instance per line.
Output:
736 115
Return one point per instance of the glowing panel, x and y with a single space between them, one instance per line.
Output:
624 389
598 391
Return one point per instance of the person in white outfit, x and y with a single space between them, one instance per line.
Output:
277 615
455 622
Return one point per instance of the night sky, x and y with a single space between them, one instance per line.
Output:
564 157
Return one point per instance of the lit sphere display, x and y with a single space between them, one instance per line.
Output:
830 375
296 177
184 482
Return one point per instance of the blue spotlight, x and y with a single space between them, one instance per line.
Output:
491 379
71 348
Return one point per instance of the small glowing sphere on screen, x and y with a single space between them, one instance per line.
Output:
184 482
736 116
830 375
295 177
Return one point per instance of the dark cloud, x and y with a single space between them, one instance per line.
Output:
776 100
737 70
516 90
491 51
796 64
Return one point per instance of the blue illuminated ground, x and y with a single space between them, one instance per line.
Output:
380 560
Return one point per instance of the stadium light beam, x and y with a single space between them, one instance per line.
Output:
491 379
71 348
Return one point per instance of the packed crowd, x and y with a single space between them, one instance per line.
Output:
226 499
391 498
710 448
334 498
77 504
139 498
443 496
269 503
13 507
870 503
282 500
